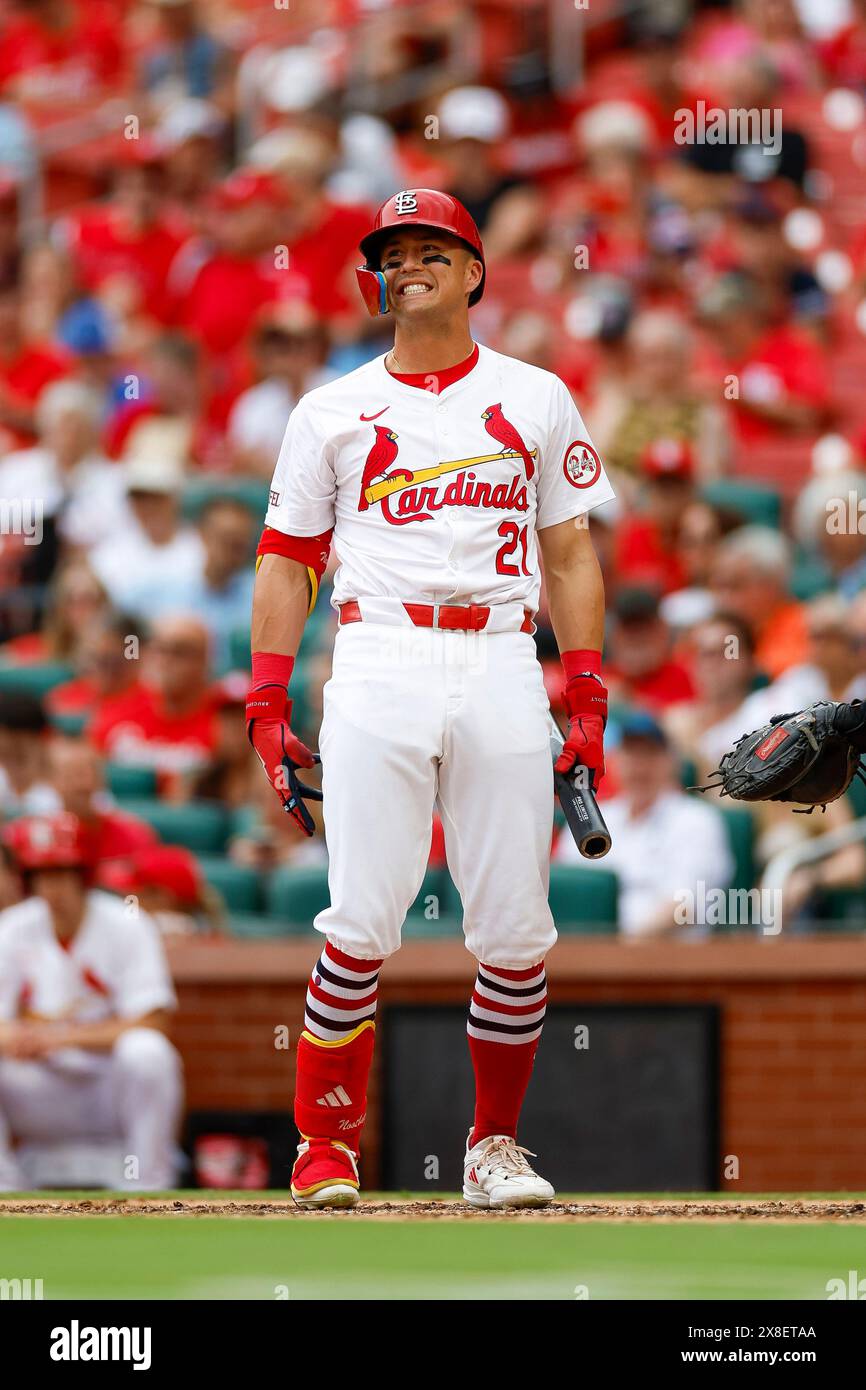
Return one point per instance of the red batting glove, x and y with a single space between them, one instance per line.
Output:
586 702
268 713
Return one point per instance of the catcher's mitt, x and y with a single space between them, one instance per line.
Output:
810 758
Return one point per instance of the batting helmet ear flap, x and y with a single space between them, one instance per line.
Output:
372 286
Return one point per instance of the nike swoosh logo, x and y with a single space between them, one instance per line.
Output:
366 418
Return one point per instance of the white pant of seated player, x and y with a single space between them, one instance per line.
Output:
412 715
133 1093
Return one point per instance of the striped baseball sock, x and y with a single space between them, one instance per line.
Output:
341 994
505 1020
336 1047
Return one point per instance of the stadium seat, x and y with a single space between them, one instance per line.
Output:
73 725
740 829
583 900
436 929
758 506
840 910
239 885
257 926
294 896
36 679
250 492
201 826
810 578
433 895
239 649
130 781
856 795
438 887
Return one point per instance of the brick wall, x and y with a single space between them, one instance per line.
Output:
793 1034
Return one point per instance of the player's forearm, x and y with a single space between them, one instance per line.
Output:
101 1037
575 591
280 603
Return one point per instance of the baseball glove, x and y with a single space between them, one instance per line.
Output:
810 758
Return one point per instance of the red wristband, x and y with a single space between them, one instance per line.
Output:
574 663
272 668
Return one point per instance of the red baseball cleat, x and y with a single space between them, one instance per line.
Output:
325 1174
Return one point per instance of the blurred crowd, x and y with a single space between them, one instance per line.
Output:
182 189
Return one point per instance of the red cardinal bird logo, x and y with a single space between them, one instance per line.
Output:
378 461
504 433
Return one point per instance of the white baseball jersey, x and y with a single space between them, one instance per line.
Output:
437 498
115 965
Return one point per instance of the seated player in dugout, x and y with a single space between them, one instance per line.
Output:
446 474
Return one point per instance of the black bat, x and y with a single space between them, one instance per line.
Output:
578 802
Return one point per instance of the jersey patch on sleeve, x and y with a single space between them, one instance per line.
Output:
581 465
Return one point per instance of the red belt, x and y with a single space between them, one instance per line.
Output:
455 618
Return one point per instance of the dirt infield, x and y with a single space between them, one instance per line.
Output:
396 1208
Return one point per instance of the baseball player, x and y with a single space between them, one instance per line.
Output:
84 995
445 474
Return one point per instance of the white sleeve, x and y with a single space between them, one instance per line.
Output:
304 485
10 979
571 477
145 983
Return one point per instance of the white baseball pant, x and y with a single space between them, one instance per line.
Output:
134 1094
414 717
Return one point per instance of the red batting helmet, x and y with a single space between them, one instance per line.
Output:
49 842
415 207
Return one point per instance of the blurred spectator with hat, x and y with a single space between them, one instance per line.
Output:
271 839
746 81
143 563
721 655
778 371
666 845
26 368
220 589
473 125
220 280
751 579
184 57
85 999
167 883
168 723
169 388
78 775
89 332
76 486
639 666
189 135
656 399
60 50
647 540
321 235
828 522
73 599
126 245
234 776
106 666
289 350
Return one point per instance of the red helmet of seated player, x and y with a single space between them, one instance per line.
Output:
49 842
